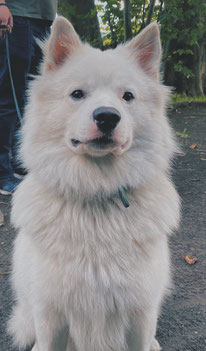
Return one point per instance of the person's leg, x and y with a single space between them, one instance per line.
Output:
38 29
20 56
41 30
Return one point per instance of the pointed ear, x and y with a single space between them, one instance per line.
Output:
62 42
147 49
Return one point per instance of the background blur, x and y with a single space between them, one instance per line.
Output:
105 23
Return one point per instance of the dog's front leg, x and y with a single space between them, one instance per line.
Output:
60 344
141 336
70 345
50 335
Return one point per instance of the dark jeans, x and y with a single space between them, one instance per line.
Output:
25 56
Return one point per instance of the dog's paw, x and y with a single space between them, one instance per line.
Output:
155 346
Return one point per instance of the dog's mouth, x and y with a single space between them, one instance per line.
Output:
100 142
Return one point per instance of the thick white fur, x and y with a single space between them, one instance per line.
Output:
89 274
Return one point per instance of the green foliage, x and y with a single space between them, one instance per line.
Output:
83 15
181 52
183 134
113 22
65 9
177 98
183 27
111 12
180 67
183 33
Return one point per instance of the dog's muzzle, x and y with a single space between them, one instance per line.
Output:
106 119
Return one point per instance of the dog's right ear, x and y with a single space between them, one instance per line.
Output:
62 42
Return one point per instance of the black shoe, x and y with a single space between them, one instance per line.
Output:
19 170
8 185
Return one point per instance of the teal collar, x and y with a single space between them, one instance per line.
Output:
123 197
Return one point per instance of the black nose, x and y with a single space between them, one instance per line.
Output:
106 118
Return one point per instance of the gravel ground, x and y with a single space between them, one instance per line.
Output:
182 324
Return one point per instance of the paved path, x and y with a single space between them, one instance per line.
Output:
182 325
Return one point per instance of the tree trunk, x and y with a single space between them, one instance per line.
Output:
197 70
203 69
150 12
127 20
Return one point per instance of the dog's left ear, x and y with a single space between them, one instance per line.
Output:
62 42
147 49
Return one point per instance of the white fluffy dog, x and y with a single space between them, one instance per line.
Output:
89 272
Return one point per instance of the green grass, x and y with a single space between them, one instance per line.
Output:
183 134
177 98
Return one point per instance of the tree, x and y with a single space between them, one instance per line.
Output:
127 20
150 12
183 30
122 23
83 16
183 33
113 21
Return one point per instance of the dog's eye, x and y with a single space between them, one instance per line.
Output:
77 94
128 96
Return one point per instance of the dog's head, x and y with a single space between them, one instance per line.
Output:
98 110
